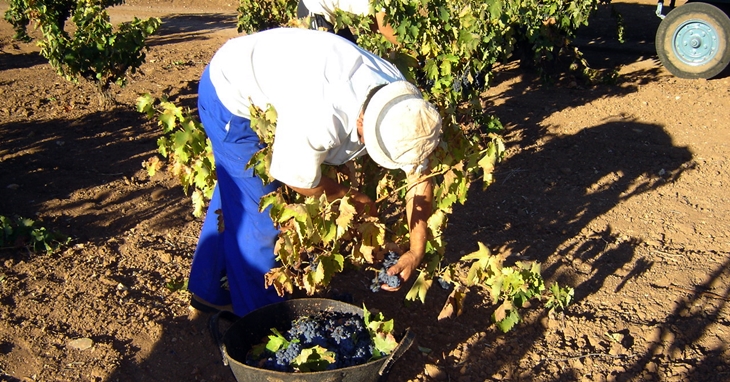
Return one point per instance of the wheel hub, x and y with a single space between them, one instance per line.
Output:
695 42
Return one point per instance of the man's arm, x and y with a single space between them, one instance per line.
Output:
334 191
385 29
419 199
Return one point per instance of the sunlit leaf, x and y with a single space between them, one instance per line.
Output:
419 288
454 304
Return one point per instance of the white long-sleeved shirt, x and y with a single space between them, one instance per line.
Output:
327 8
316 81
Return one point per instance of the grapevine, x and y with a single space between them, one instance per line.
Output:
449 49
97 51
19 232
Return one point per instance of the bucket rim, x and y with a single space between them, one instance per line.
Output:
404 343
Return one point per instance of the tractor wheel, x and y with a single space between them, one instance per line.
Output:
692 41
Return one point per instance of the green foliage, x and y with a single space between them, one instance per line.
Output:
186 147
24 233
558 298
177 285
620 25
264 124
510 288
16 15
257 15
381 332
97 50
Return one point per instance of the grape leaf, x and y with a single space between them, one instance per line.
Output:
482 255
347 214
167 119
454 304
278 278
419 288
385 343
313 359
276 341
508 322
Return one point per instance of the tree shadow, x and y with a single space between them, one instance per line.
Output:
20 61
184 348
543 206
49 166
180 28
599 40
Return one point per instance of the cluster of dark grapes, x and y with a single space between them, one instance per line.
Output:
383 277
443 283
465 86
422 80
462 84
344 334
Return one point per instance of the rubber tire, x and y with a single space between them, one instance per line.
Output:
677 24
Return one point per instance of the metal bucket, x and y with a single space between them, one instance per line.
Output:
249 331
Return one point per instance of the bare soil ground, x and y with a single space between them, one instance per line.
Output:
619 190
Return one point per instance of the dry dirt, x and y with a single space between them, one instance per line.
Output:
619 190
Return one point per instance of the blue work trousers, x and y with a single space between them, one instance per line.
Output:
236 241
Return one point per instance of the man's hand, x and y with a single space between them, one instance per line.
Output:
407 263
418 208
363 204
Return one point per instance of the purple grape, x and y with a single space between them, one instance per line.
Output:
344 334
383 277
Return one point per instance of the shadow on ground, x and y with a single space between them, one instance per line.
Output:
180 28
55 159
544 195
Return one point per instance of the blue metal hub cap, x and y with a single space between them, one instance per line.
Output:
695 43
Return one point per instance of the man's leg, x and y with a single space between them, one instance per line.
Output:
248 241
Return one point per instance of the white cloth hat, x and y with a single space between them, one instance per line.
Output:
400 128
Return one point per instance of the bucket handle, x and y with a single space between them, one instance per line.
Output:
398 352
214 328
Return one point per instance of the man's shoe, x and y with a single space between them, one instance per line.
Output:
206 307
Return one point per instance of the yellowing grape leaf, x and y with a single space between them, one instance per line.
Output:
286 249
276 341
315 358
347 214
373 236
367 252
277 203
146 105
328 266
328 231
501 312
278 278
152 165
454 304
309 282
198 203
419 288
168 120
373 232
482 255
270 113
385 343
508 322
298 212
